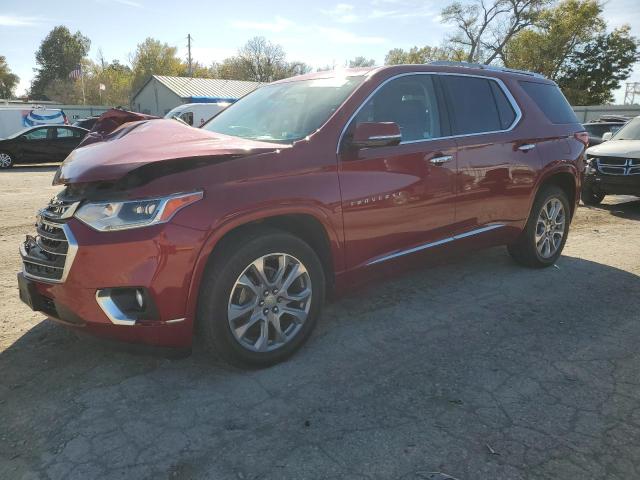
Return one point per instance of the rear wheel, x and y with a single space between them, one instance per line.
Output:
545 234
261 298
6 160
591 196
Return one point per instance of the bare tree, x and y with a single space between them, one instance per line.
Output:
485 26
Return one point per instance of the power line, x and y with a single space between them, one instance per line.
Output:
633 89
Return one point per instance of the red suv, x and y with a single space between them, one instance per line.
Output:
305 186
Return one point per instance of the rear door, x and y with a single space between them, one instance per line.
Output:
496 167
398 199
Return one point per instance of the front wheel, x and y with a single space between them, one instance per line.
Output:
6 160
591 196
261 298
545 234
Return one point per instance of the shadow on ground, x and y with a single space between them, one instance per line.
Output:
629 210
477 368
41 168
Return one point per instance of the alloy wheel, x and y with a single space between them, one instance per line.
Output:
5 160
269 302
550 228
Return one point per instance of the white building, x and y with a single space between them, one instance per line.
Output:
160 93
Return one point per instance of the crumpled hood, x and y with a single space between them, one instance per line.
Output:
617 148
137 144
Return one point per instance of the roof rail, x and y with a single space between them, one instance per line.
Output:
447 63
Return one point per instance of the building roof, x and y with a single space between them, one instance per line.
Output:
187 87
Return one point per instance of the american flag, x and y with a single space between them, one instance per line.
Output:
76 73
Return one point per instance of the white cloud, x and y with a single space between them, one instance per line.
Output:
343 36
342 13
128 3
18 21
278 25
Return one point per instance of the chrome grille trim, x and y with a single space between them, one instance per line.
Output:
618 166
49 255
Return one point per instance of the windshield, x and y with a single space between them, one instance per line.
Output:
174 112
284 112
631 131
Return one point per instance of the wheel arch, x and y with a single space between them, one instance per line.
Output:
306 223
565 178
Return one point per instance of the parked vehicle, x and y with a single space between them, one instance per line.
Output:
613 168
606 124
305 186
86 123
13 119
50 143
196 114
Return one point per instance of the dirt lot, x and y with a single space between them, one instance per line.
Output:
477 368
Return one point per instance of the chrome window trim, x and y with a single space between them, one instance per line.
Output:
443 241
501 84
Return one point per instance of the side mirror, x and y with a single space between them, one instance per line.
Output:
607 136
376 134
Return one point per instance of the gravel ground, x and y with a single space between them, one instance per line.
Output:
475 368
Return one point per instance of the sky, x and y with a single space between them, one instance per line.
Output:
318 33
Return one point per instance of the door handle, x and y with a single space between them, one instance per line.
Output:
441 160
526 147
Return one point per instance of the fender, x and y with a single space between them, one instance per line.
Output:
548 171
249 216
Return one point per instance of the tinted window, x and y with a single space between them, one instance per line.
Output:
505 109
37 134
408 101
473 105
551 101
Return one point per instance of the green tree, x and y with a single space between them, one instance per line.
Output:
361 62
420 55
596 70
153 57
8 80
58 55
561 30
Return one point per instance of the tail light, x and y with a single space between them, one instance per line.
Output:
582 137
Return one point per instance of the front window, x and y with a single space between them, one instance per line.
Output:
284 112
631 131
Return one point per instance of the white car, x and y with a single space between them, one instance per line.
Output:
196 114
14 119
613 167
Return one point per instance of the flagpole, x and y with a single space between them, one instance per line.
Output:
84 102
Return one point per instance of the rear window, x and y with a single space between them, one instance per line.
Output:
478 105
551 101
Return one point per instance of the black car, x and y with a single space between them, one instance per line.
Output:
605 124
87 123
45 143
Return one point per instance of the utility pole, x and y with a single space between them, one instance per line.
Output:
189 54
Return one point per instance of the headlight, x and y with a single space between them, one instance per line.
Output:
106 216
590 167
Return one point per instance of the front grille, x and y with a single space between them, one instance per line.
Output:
48 255
618 165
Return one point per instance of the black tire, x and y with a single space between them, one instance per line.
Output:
7 160
227 264
591 196
524 250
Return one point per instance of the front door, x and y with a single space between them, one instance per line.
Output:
35 145
398 199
